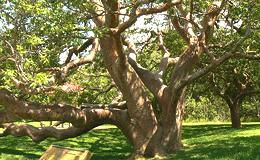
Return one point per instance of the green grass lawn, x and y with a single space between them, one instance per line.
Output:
204 141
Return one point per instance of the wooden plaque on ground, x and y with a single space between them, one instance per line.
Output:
61 153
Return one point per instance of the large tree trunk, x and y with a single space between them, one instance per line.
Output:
235 114
234 105
143 121
168 136
167 139
150 134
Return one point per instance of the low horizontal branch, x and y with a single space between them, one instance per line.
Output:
6 117
118 105
40 134
58 112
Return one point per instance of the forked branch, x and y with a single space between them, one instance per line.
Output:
166 59
151 80
215 63
210 18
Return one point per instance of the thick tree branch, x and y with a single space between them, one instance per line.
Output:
112 10
151 81
210 18
216 62
6 117
166 60
64 113
77 50
98 13
183 33
119 105
83 120
41 134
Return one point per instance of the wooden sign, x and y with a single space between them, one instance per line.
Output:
61 153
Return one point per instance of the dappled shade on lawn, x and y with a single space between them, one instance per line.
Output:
201 142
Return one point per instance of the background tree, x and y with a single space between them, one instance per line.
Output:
94 37
237 79
234 87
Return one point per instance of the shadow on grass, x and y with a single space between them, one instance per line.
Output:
107 144
219 142
246 148
104 149
202 142
18 152
209 129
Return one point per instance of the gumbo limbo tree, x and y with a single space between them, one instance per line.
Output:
236 81
240 82
50 49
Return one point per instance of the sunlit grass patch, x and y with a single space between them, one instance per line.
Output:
202 141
